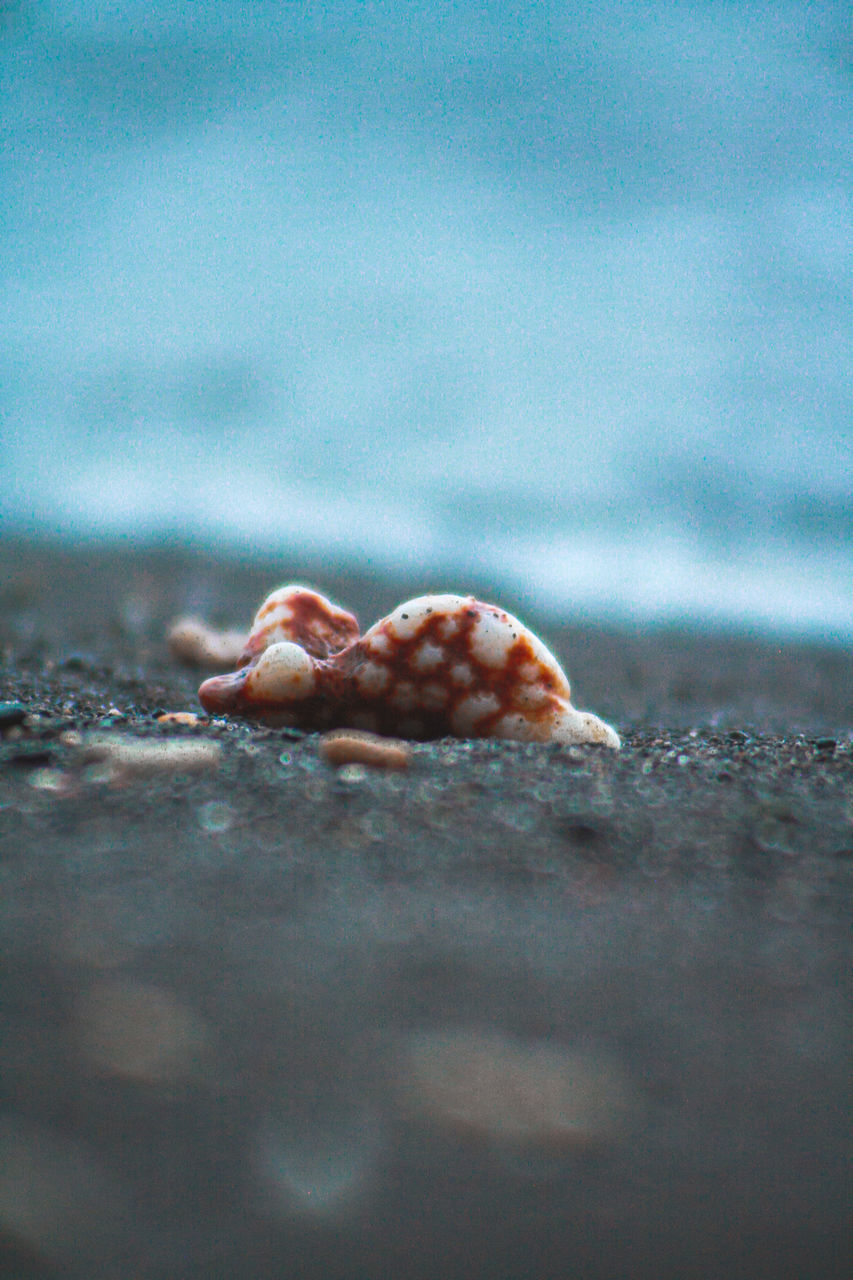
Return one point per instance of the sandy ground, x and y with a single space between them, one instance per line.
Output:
514 1011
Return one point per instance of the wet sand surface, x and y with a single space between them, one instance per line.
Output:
515 1010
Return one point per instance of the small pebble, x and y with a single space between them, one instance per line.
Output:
180 717
354 747
351 773
192 641
153 755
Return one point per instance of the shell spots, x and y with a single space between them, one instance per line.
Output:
513 726
492 638
438 665
434 695
407 620
404 696
372 677
468 713
428 656
530 696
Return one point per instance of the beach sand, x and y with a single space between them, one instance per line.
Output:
514 1011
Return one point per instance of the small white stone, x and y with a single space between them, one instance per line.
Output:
352 773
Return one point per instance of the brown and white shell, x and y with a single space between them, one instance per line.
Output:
439 665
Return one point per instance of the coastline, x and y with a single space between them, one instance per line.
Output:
674 916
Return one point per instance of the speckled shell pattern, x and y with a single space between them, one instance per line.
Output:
439 665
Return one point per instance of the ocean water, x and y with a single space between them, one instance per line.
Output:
554 295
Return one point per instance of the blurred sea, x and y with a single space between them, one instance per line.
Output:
557 295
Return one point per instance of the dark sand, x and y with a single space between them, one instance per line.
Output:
519 1011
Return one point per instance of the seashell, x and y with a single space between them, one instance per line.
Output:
438 666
